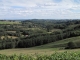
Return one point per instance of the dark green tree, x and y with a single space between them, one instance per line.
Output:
71 45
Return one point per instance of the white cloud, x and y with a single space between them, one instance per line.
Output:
39 9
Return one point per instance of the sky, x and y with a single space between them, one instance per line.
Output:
39 9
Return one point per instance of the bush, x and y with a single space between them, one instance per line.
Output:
71 45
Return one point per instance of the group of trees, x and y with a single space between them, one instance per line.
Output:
35 40
40 39
71 45
36 37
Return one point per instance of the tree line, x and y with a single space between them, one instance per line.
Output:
34 40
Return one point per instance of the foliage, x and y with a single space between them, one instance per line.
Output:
37 32
55 56
71 45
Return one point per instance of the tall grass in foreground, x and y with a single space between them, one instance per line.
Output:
55 56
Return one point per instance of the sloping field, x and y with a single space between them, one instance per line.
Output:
43 49
59 44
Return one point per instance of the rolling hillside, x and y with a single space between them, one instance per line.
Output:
59 44
43 49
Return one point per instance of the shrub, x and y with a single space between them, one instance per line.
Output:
71 45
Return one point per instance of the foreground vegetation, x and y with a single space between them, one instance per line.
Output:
55 56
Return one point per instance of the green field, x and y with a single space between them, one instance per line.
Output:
9 22
43 49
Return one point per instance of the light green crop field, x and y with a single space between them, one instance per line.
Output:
8 22
43 49
13 37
